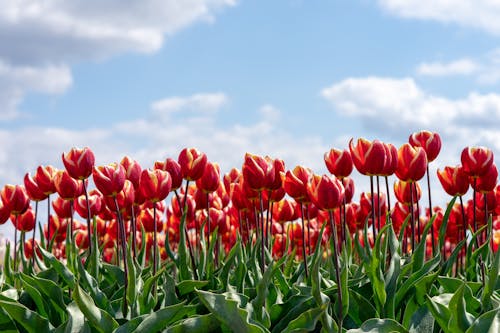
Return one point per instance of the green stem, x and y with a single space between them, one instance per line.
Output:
337 269
124 252
89 228
304 239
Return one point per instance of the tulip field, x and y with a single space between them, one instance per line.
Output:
179 247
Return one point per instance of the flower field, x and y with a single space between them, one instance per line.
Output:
179 247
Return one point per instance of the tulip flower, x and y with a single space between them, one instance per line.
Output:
402 191
258 172
15 198
79 162
94 203
174 169
33 189
210 180
44 178
339 162
412 163
25 221
192 163
327 193
368 157
4 212
67 187
296 184
476 161
454 180
109 179
132 170
62 207
429 141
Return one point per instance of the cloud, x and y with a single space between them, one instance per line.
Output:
484 69
392 108
480 14
40 40
456 67
203 103
16 81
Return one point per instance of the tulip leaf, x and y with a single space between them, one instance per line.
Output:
376 325
30 320
98 318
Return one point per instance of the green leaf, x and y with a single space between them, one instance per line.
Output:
98 318
29 320
491 282
88 281
76 322
379 325
460 319
444 224
35 296
306 321
421 321
282 314
187 286
488 322
440 312
226 310
60 268
360 308
198 324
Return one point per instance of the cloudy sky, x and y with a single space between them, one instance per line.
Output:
287 78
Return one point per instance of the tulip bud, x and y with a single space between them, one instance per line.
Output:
454 180
429 141
44 177
369 158
25 221
15 198
66 186
476 161
296 184
210 180
109 179
79 162
34 192
192 163
132 170
155 184
339 162
412 163
326 192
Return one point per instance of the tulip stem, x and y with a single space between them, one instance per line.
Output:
134 231
464 221
262 234
49 248
373 208
155 247
378 204
337 269
124 252
89 231
388 194
33 238
412 218
184 213
15 243
433 241
208 221
304 239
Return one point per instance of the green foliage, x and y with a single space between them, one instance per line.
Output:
382 289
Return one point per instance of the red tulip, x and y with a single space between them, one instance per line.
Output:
454 180
284 211
403 192
79 162
231 177
132 170
476 161
34 191
155 185
349 188
258 172
44 177
15 198
412 163
109 179
25 221
487 182
210 180
276 183
63 208
368 157
296 184
192 163
326 192
339 162
4 213
174 169
238 197
95 204
391 160
67 187
125 198
429 141
145 219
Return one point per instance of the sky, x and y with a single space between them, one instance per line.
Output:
284 78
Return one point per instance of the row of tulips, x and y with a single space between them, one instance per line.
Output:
281 210
262 200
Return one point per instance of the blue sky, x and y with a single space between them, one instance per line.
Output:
290 79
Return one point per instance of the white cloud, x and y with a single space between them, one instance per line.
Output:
394 108
39 40
16 81
204 103
480 14
456 67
